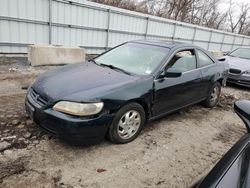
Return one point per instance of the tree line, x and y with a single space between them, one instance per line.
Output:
235 18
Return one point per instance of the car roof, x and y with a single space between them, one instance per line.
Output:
163 43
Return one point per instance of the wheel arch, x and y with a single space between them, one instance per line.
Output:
220 80
143 103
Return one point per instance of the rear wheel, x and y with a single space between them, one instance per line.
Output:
127 123
213 96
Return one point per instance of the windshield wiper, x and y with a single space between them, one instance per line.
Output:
92 60
244 57
239 57
114 67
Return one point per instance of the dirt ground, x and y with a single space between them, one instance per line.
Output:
175 151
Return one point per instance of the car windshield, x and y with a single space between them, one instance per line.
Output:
134 58
241 52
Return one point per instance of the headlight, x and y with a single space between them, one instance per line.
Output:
247 72
78 109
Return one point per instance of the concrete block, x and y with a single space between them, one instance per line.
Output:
217 54
52 55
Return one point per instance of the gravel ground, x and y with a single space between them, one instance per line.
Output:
175 151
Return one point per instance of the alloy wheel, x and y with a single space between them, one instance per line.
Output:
129 124
215 94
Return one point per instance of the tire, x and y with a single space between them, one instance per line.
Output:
213 96
127 124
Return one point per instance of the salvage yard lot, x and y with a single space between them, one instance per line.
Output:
174 151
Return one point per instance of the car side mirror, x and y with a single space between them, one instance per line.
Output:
242 109
172 73
221 59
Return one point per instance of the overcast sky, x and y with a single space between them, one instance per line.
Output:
225 5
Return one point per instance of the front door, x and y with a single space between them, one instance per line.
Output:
173 93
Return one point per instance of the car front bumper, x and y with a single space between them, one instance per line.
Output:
239 79
74 130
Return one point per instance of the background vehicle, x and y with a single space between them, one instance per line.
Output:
232 170
239 66
120 90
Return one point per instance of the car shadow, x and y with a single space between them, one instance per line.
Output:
175 116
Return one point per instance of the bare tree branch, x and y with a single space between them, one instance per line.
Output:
199 12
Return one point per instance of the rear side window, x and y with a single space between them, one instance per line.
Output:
183 61
204 60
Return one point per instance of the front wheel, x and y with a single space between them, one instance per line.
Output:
127 124
213 96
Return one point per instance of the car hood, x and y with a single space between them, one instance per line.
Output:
238 63
80 82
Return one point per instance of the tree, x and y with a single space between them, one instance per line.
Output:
199 12
240 23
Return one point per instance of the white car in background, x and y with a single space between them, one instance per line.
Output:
239 66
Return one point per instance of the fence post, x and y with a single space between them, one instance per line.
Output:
233 43
195 28
242 41
50 21
210 37
108 28
146 31
222 42
173 37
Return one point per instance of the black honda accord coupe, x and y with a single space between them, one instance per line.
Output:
116 93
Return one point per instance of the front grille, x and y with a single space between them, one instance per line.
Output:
235 71
239 81
42 101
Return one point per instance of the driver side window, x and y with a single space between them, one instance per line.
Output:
183 61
